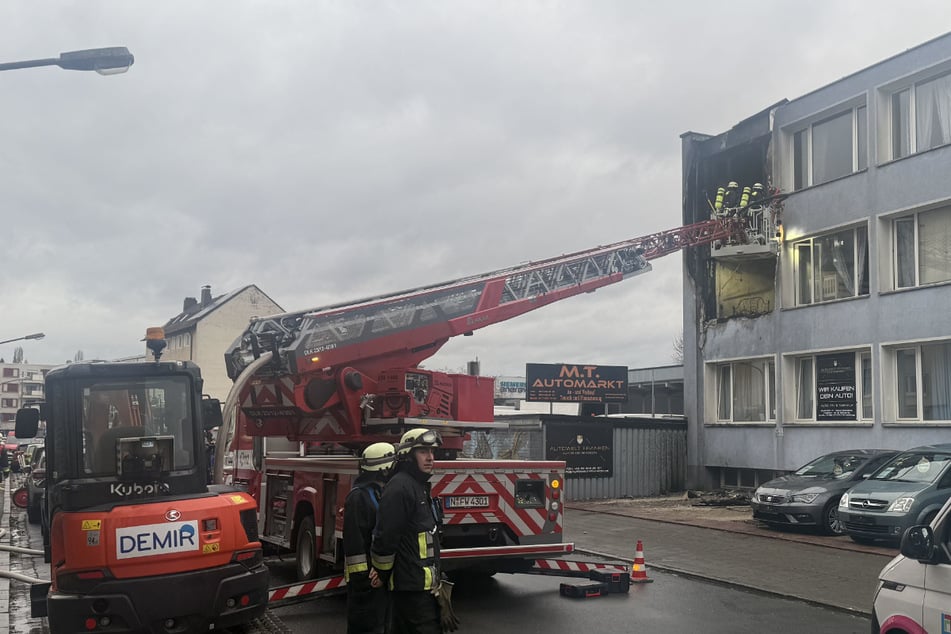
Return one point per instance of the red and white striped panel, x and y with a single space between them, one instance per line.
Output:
301 590
277 392
522 521
579 566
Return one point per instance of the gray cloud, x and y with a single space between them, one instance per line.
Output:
330 150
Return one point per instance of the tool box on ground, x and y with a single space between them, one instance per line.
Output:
615 581
583 590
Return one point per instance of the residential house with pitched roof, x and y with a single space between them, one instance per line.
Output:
206 327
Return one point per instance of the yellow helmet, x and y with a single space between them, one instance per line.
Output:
418 437
378 457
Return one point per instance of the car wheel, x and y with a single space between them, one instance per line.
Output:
33 513
306 550
831 524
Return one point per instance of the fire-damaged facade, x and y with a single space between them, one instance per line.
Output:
828 328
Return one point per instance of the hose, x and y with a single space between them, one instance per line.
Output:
226 431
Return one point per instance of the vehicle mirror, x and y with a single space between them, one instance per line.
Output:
27 422
210 413
918 543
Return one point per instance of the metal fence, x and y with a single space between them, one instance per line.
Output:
648 455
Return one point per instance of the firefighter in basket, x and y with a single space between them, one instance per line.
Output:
405 550
367 599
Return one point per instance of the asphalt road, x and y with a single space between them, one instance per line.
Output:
706 579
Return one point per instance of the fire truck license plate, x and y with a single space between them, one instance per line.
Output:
467 501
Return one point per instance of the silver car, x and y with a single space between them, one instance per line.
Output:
810 495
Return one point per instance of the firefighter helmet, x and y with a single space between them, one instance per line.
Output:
378 457
418 437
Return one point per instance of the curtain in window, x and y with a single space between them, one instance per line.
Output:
934 246
843 260
936 381
749 397
933 112
723 393
832 148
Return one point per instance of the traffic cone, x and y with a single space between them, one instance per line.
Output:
639 570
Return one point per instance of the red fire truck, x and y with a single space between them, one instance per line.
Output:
312 388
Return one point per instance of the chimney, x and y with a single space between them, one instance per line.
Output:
190 302
205 295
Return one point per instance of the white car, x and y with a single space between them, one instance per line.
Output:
914 592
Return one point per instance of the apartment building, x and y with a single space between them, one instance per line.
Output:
208 325
831 329
20 384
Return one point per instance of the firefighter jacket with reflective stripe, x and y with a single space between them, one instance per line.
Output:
359 519
405 546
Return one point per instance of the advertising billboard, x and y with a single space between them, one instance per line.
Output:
586 448
571 383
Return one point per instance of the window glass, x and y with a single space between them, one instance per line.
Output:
800 159
905 252
907 385
933 113
861 144
749 392
934 246
901 124
832 148
723 398
914 466
805 387
936 381
833 266
866 385
839 466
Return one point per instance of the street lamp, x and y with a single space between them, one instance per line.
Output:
105 61
35 335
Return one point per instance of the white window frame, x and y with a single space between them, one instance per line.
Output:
810 243
912 123
725 371
914 219
858 164
915 386
864 412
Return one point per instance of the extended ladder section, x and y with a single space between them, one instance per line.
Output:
406 327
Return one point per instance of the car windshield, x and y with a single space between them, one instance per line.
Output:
837 466
914 466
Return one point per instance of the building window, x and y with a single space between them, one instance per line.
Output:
11 387
834 387
833 266
8 402
831 148
923 382
746 391
187 339
922 248
11 372
921 117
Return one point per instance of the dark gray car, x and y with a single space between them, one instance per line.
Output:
908 490
810 495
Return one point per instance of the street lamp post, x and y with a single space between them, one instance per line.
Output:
35 335
105 61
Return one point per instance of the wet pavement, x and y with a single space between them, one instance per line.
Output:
720 544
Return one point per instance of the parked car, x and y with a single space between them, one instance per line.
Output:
914 589
909 489
36 486
810 495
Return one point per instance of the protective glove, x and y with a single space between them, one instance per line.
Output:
447 618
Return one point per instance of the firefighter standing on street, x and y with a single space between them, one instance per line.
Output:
405 550
367 601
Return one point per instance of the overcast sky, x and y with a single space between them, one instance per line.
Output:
331 150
